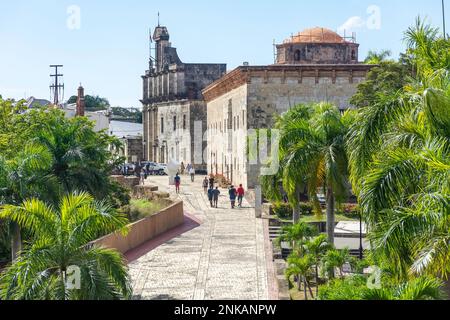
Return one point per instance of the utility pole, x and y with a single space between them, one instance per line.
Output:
443 19
56 87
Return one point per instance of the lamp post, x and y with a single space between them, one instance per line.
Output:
361 249
443 19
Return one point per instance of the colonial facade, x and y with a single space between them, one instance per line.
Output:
314 66
174 111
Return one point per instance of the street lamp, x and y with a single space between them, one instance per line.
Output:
443 19
361 249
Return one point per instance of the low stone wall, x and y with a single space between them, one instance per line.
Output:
127 182
144 230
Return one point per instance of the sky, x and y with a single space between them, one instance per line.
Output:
104 44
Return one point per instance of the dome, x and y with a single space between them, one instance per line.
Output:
316 35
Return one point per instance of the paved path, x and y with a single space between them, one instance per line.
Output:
222 258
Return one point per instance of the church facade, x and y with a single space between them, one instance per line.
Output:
316 65
174 110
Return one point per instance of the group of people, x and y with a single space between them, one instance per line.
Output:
213 193
189 169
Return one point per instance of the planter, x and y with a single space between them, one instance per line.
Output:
144 230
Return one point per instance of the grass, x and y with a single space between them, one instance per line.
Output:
140 209
323 218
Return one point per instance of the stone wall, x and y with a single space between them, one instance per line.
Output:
227 125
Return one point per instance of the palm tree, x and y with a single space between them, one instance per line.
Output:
21 177
301 268
317 248
60 237
423 288
400 166
374 57
297 235
335 259
312 153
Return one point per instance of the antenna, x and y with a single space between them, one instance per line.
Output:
57 89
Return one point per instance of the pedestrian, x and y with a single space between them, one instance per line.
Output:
205 184
216 194
142 177
188 168
232 192
177 180
182 168
240 193
211 196
192 174
211 182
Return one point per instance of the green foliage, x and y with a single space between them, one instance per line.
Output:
60 235
399 156
140 209
374 57
93 103
123 114
350 288
282 210
312 154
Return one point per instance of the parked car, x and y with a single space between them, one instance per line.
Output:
128 169
154 168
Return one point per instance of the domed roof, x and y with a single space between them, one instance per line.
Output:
316 35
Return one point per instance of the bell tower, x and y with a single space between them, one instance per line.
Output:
161 38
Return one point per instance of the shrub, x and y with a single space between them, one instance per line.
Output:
351 288
282 210
140 209
350 210
306 208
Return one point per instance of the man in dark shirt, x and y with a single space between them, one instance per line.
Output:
216 193
233 193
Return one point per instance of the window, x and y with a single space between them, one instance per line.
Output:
174 123
237 122
297 55
184 122
353 55
162 125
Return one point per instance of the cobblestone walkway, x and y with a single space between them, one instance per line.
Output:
223 258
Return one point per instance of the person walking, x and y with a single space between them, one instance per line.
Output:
233 193
177 180
205 184
216 194
211 182
240 193
188 168
142 177
192 173
211 196
182 168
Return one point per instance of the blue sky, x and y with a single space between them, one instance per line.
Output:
109 51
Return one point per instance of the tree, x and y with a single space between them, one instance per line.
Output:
297 235
60 235
317 249
399 154
422 288
312 153
374 57
300 266
93 103
335 259
123 114
21 177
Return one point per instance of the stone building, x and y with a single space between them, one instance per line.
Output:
314 66
174 111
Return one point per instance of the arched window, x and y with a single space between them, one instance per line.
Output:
297 55
353 54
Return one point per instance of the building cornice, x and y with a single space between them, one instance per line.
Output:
242 75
